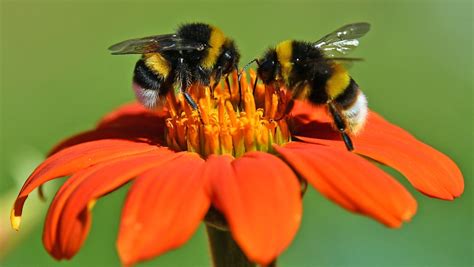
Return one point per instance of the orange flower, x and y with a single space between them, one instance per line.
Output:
249 164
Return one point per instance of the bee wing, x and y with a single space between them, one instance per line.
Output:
343 40
155 43
347 62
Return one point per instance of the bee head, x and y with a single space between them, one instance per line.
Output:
268 66
229 57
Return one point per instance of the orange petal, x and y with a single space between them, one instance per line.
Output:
428 170
130 134
260 197
351 181
304 112
129 122
71 160
131 109
68 220
163 209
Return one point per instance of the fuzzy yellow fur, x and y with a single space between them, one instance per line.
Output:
157 64
338 82
216 40
284 52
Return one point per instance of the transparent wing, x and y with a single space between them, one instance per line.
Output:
155 43
343 40
348 62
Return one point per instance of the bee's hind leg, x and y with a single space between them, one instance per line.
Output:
190 100
341 126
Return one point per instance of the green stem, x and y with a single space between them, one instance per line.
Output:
225 252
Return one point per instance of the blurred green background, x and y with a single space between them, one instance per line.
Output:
57 79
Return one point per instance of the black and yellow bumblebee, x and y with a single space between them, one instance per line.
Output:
313 71
197 53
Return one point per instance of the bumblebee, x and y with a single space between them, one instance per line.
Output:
314 72
196 53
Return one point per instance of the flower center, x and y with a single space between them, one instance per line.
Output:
228 122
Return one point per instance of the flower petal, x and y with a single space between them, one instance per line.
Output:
129 122
118 117
427 169
351 181
71 160
260 197
51 223
163 209
68 220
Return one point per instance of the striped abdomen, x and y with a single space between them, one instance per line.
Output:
352 105
149 80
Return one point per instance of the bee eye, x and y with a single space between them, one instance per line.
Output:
266 70
267 64
228 61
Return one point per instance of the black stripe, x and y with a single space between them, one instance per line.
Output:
193 33
318 93
196 32
308 65
147 79
349 96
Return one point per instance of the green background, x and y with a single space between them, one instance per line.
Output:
57 79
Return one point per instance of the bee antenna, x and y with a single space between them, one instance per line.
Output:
239 75
246 66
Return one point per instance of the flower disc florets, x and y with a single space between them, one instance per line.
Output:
228 121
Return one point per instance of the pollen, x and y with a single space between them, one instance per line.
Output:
228 121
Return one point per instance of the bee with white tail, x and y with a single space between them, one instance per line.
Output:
314 72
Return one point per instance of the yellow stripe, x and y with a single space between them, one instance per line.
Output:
284 52
216 40
158 64
338 82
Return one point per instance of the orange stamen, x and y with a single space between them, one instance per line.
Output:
220 126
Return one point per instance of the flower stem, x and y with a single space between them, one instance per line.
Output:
225 252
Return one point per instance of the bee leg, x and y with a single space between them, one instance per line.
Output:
217 80
239 76
341 126
184 78
192 103
288 108
190 100
213 86
227 82
255 85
